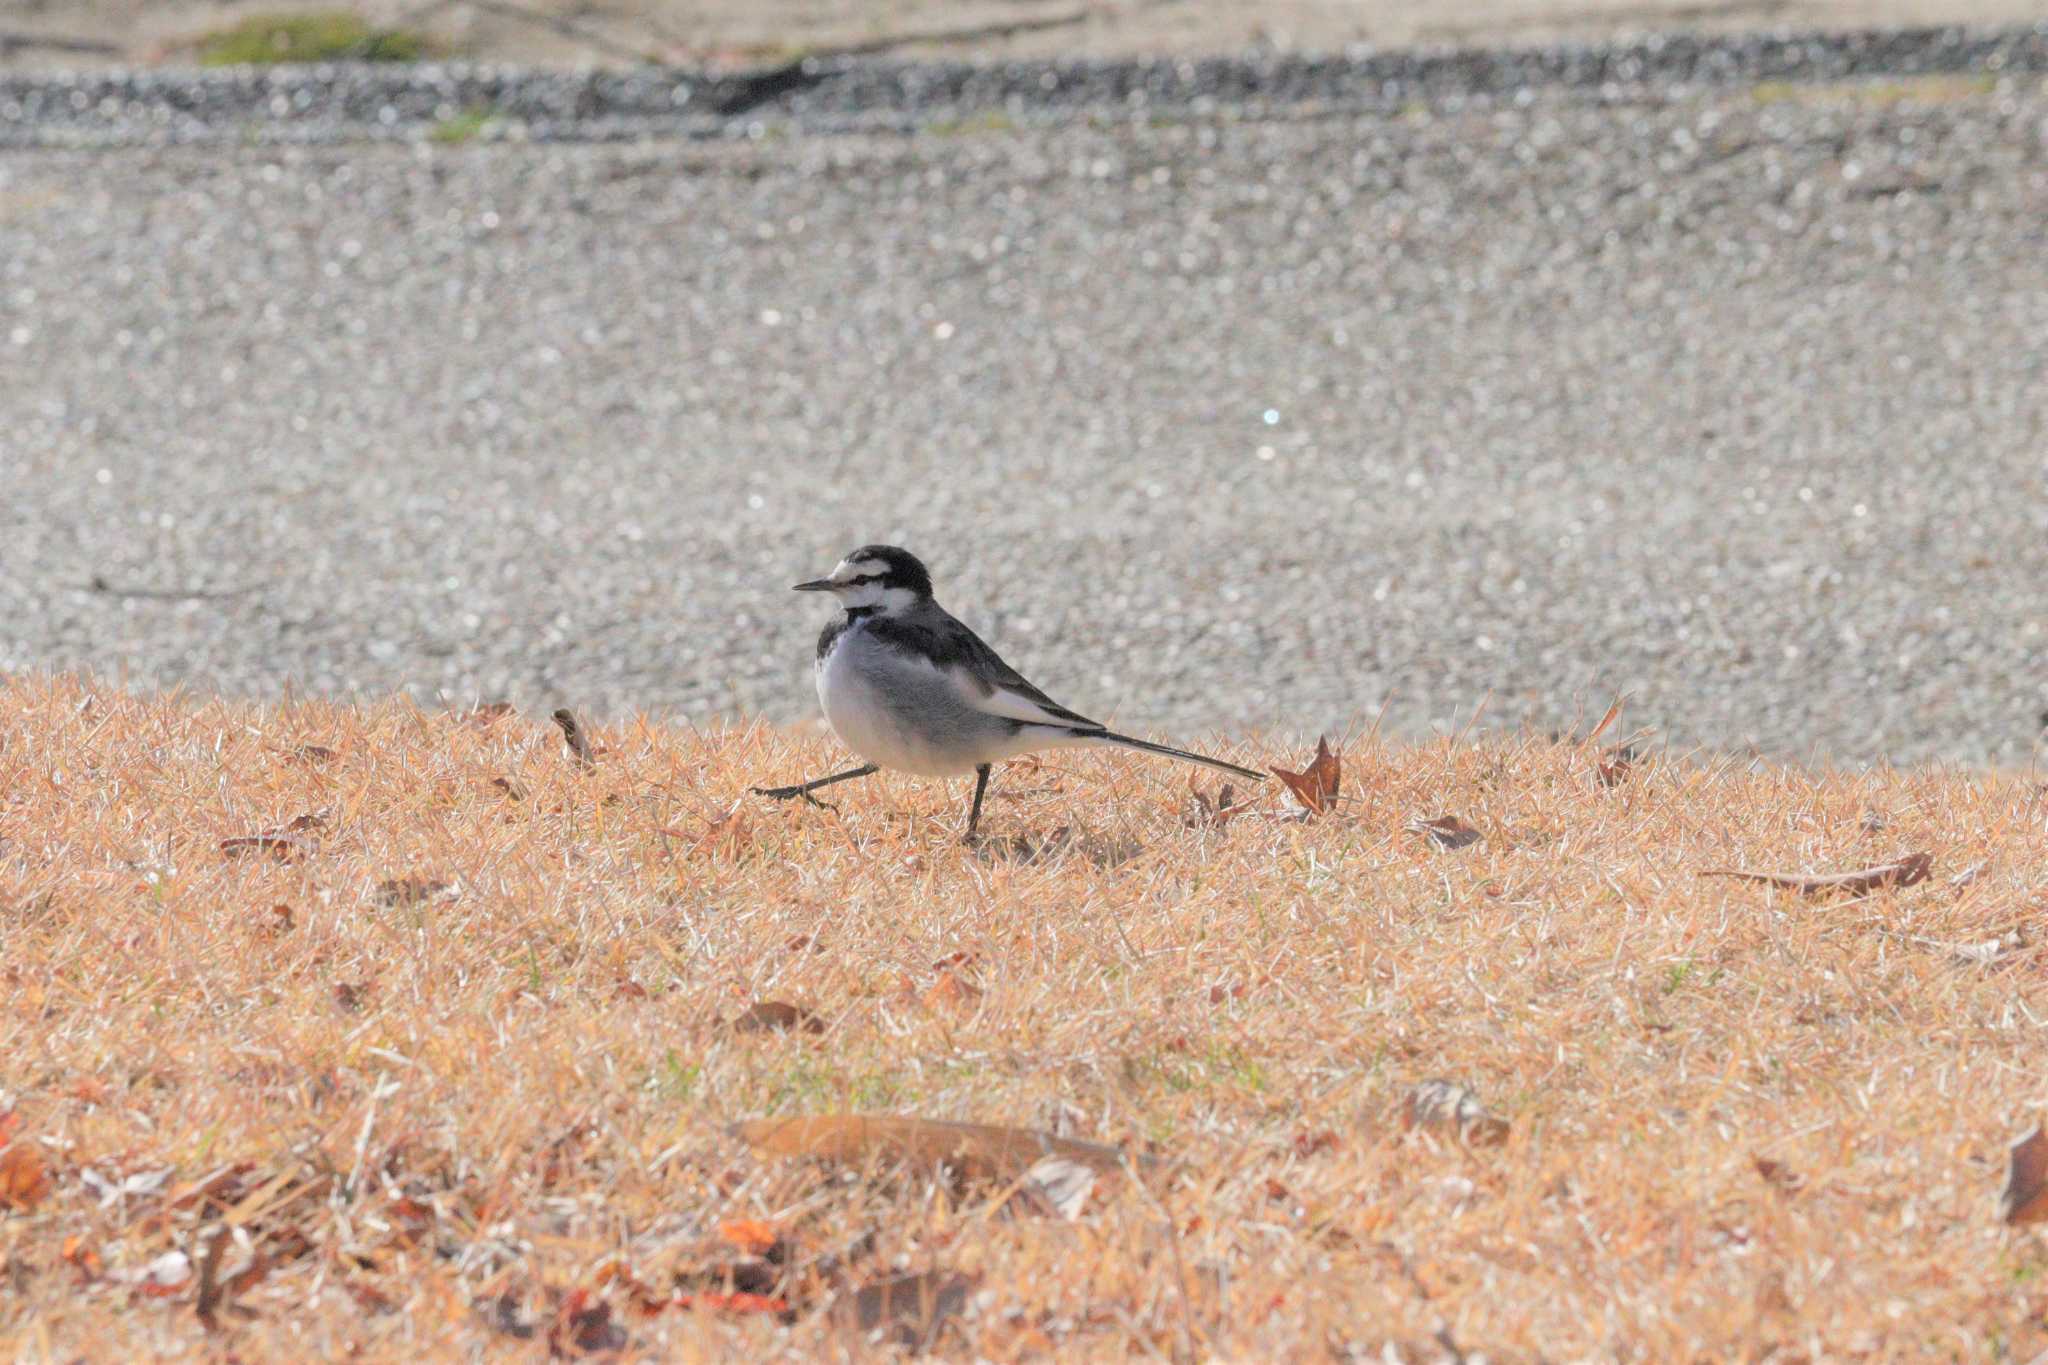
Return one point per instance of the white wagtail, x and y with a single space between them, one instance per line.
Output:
907 686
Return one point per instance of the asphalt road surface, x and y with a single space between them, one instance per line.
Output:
1736 401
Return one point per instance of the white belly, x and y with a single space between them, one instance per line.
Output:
898 713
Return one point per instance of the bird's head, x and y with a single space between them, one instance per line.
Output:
877 578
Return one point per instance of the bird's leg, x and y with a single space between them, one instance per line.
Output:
980 786
804 789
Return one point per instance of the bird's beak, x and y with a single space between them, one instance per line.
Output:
815 585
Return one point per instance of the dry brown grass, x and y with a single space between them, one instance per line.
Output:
447 1118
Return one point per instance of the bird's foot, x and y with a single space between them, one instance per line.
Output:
788 793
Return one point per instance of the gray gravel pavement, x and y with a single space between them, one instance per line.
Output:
354 101
1737 403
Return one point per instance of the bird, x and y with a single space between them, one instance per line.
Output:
907 686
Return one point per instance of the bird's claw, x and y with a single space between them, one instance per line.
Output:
788 793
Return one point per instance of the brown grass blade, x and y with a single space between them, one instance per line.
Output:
1613 714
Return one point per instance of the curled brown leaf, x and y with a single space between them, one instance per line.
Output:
908 1311
1446 831
1315 786
2025 1197
1446 1105
280 846
777 1016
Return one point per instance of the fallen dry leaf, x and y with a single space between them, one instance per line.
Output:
750 1235
116 1190
583 1326
485 714
736 1302
777 1016
975 1150
223 1188
1446 1104
1315 787
164 1277
1446 831
1059 1186
2025 1197
1308 1144
1216 813
24 1177
81 1257
1614 764
403 891
954 989
280 846
1969 874
1903 871
245 1279
1779 1176
573 736
909 1311
507 1315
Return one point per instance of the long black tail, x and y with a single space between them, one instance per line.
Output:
1248 774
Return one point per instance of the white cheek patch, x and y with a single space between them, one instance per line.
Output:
850 569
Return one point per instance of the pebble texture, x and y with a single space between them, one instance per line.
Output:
1733 399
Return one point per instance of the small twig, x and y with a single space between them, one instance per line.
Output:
209 1279
572 732
1180 1270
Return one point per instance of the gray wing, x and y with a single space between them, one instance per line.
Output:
984 680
